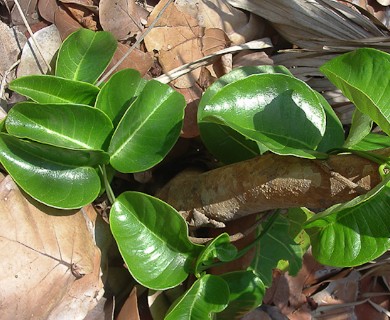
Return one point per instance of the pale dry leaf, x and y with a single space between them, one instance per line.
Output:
12 43
50 264
29 8
82 14
384 2
129 310
311 24
246 58
122 18
238 25
47 9
31 61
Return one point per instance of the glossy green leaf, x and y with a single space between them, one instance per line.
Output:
85 54
152 238
224 143
361 127
119 92
277 110
372 141
363 77
246 293
57 177
51 89
354 232
334 131
277 244
149 128
63 125
219 248
207 296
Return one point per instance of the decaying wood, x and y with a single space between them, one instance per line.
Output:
269 182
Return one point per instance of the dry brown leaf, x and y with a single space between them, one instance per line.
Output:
47 9
129 310
12 42
50 264
176 36
65 23
138 60
31 61
82 14
190 125
122 18
213 40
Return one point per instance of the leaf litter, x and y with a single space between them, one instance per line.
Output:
188 32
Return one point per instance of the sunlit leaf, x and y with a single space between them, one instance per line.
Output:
63 125
226 144
277 110
152 238
61 178
85 54
207 296
119 92
51 89
372 141
354 232
149 128
363 77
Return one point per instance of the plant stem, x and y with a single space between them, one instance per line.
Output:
110 193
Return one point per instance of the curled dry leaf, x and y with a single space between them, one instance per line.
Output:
129 310
176 37
238 25
65 23
50 264
47 8
82 13
123 18
31 61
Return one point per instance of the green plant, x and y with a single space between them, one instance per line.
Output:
59 146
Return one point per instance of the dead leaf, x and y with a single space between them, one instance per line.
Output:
29 8
31 61
82 14
47 9
122 18
50 264
65 23
246 58
176 36
12 43
213 40
129 310
138 60
190 125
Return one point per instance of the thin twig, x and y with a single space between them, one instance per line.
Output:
139 40
204 61
31 34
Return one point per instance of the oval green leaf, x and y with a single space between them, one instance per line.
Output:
62 125
207 296
51 89
373 141
246 293
354 232
361 126
119 92
226 144
276 110
84 55
148 130
57 177
152 239
363 77
219 248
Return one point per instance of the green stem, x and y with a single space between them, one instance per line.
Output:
109 192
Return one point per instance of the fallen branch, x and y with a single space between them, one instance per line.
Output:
269 182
